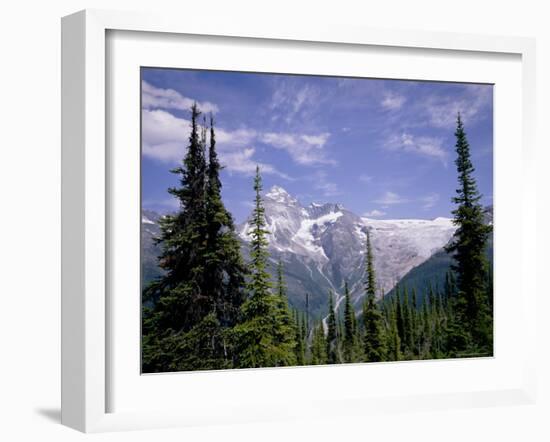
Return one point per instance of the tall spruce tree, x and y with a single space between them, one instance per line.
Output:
224 267
285 325
349 327
399 316
318 345
393 341
414 322
407 322
299 348
259 338
426 330
468 249
374 347
183 330
332 333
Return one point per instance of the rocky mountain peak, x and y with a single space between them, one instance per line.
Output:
279 195
322 246
316 210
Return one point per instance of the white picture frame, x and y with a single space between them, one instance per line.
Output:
86 315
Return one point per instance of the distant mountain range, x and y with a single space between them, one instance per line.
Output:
323 245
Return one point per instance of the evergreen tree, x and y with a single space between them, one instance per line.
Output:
318 345
183 331
258 338
399 319
449 286
302 324
349 327
426 331
286 330
407 323
414 322
468 248
224 268
393 340
332 342
370 282
307 321
299 348
374 347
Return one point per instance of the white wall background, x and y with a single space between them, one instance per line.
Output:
30 215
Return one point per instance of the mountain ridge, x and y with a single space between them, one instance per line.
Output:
321 246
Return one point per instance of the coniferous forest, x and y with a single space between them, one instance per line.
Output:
212 309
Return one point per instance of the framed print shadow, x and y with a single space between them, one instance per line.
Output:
292 220
252 211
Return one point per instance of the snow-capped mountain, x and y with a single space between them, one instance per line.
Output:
322 245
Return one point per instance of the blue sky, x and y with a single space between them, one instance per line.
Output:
382 148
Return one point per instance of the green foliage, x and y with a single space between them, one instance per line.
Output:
265 337
224 271
370 282
198 297
374 341
285 332
349 344
472 304
393 341
299 348
332 333
318 345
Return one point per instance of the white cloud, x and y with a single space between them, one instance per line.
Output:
328 188
374 214
302 97
243 162
425 146
157 98
392 101
390 199
365 178
293 100
429 201
237 137
316 140
303 149
442 110
321 182
165 138
292 97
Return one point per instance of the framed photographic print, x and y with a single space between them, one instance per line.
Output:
302 253
252 214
